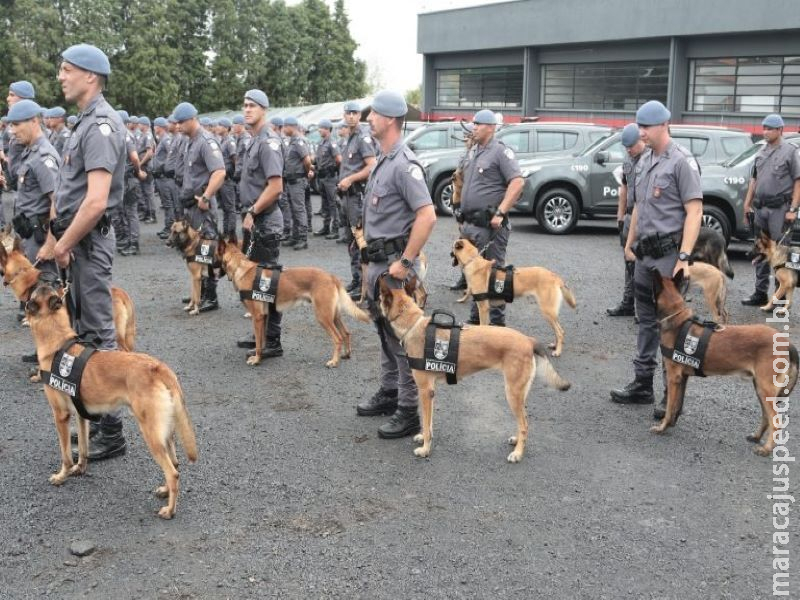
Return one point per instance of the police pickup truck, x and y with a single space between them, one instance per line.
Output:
559 190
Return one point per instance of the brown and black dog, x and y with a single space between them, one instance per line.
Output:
480 348
712 282
188 242
21 276
777 255
297 285
112 379
545 286
748 350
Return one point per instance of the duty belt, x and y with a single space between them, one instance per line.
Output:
441 353
658 245
774 202
60 225
379 250
690 350
295 178
327 173
481 217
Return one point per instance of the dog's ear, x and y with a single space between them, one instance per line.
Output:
385 294
658 283
3 256
232 239
410 286
459 244
17 243
678 279
221 247
54 303
764 236
31 307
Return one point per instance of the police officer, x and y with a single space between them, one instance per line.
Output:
358 158
634 147
146 149
90 185
162 181
297 170
125 218
492 186
242 137
203 176
227 193
260 187
664 226
58 128
175 164
328 159
19 90
398 218
772 197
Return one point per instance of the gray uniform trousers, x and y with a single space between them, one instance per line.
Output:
286 211
297 200
227 202
329 208
770 220
395 372
130 202
309 210
630 265
30 248
204 221
167 192
495 251
147 200
353 209
647 341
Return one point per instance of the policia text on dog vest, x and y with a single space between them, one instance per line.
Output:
690 350
65 375
206 250
265 289
501 285
440 354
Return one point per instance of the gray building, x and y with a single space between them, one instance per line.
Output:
715 62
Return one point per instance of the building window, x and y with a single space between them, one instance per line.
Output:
604 86
760 84
492 87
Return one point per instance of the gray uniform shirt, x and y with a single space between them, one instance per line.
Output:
241 146
775 170
130 146
327 151
59 140
395 190
162 153
358 147
296 151
144 143
228 146
174 162
629 180
262 160
203 157
97 142
487 172
37 178
664 184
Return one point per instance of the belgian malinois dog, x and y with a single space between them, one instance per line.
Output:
545 286
112 379
481 348
297 285
777 255
732 350
711 281
188 242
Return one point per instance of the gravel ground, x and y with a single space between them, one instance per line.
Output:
294 496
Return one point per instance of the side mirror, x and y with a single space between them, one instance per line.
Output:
602 157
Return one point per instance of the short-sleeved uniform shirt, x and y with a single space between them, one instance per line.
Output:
629 179
327 151
395 190
241 146
130 147
296 151
203 157
775 170
664 183
358 148
145 142
174 162
228 146
59 138
37 178
15 150
97 142
162 153
487 172
263 159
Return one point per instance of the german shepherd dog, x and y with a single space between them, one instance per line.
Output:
712 282
710 248
188 241
481 348
733 350
22 277
545 286
112 379
299 285
777 255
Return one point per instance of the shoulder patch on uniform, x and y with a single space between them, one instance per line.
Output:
416 172
509 153
213 144
275 145
692 163
301 143
50 163
105 129
367 139
334 146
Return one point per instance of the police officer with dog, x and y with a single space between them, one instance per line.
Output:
328 159
398 218
492 186
664 226
91 184
773 196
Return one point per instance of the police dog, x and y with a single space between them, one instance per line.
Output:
710 248
748 350
188 242
712 282
112 379
481 348
21 276
299 285
545 286
777 255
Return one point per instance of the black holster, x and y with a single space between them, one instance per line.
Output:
264 248
481 217
379 250
658 245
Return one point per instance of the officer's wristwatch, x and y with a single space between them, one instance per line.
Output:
204 199
499 213
684 256
405 263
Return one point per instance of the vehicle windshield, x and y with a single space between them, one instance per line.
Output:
744 155
594 145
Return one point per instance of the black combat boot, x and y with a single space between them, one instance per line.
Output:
621 310
461 284
757 299
404 421
132 249
300 245
108 443
325 230
383 402
94 429
638 391
30 358
271 349
209 301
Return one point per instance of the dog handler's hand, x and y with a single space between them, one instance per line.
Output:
790 216
47 251
496 222
629 255
247 222
398 271
201 204
62 255
681 265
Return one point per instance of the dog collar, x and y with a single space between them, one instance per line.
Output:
410 329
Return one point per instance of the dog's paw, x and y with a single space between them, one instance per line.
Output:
514 457
188 307
195 311
76 470
766 307
247 315
35 378
58 478
418 438
422 452
161 491
551 345
556 353
166 513
762 451
254 360
660 428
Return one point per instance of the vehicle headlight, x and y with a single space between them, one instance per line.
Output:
427 162
528 171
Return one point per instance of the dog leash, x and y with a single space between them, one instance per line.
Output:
492 239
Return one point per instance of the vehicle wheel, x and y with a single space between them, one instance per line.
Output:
557 211
443 196
715 219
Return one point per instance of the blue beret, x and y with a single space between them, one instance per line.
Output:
205 121
171 118
72 119
123 114
23 111
88 58
774 121
291 121
326 124
160 122
258 97
23 89
213 122
183 112
224 122
352 106
630 135
238 120
144 121
389 104
652 113
484 117
57 112
277 121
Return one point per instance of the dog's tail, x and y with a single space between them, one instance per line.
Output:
568 295
724 265
345 303
793 369
183 424
551 376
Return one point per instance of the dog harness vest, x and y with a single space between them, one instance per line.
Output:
441 353
690 350
205 253
501 285
793 259
265 289
65 375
